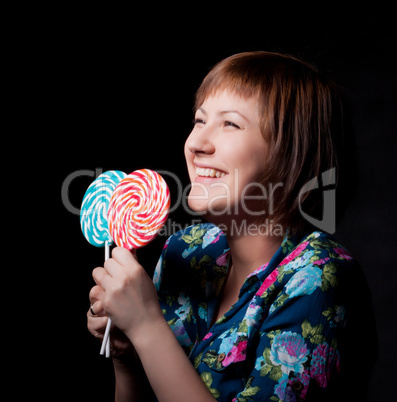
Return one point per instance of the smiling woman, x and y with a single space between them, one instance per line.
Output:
295 109
226 134
238 312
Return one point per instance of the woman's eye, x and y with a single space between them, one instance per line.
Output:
198 121
230 124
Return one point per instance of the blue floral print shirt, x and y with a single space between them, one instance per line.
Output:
281 340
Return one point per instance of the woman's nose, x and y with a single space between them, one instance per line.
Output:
200 142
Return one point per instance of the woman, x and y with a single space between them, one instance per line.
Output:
253 305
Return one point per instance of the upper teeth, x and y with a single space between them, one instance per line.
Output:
209 172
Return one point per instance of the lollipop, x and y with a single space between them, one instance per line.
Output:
94 209
138 208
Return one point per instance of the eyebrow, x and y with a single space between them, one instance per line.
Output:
224 112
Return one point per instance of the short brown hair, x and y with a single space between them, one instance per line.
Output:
301 117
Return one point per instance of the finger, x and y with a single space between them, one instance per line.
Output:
124 256
112 267
96 309
96 325
101 277
96 293
121 259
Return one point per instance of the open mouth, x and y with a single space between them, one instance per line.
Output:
208 172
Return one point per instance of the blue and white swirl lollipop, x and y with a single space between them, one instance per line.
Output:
95 205
93 216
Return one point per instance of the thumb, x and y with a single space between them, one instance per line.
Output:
124 256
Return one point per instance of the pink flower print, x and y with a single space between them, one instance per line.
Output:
223 259
322 261
236 354
294 253
267 282
166 243
260 269
343 253
300 383
289 351
324 360
208 336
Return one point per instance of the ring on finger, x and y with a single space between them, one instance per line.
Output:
92 311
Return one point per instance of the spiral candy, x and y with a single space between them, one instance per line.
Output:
94 208
138 208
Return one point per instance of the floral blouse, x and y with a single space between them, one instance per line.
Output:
281 340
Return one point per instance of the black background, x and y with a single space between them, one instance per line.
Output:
118 94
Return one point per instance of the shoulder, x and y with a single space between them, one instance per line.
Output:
317 249
192 258
317 262
195 241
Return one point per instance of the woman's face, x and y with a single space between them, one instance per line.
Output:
225 155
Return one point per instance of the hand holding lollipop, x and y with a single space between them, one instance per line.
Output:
136 209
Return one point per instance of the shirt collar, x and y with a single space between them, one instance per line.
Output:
260 274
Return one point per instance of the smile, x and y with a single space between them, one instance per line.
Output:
207 172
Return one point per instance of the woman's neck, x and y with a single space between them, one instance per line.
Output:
249 252
252 244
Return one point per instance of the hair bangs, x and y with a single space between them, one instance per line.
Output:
227 77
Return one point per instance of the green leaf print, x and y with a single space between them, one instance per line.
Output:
274 372
315 256
315 334
280 300
195 237
251 391
328 277
243 327
248 391
197 360
287 245
330 312
171 322
210 358
207 379
265 370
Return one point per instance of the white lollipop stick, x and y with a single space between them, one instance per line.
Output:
107 250
108 347
106 337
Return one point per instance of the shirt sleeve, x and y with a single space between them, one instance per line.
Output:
170 279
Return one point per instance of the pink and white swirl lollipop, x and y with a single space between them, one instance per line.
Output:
138 208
